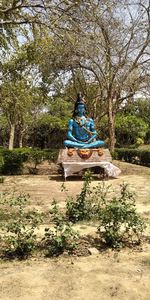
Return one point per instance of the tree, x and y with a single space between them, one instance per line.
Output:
129 128
109 41
23 17
50 126
4 131
20 92
140 108
15 97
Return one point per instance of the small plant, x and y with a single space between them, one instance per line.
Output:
19 238
139 142
11 162
146 261
119 221
2 179
62 237
81 208
87 204
36 157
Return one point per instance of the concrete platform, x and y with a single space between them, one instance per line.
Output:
76 160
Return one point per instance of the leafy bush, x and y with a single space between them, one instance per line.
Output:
81 208
18 238
36 157
51 154
119 221
1 162
12 161
137 156
62 237
129 128
139 142
2 179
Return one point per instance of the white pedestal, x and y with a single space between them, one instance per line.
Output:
71 167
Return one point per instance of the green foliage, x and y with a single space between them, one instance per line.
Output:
62 237
1 161
4 130
49 128
36 157
129 128
139 142
102 129
51 154
139 108
20 97
87 204
2 179
119 221
137 156
81 208
12 161
18 238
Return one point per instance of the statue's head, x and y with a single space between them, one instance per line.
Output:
80 107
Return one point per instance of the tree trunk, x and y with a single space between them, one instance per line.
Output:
11 137
21 141
111 126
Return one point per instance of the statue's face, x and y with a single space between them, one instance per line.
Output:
80 110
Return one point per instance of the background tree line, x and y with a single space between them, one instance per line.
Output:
50 50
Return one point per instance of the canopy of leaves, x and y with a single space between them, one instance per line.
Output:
129 128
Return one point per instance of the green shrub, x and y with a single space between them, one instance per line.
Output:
2 179
144 157
12 161
1 162
137 156
18 238
62 237
80 208
87 204
119 221
129 128
139 142
51 154
36 157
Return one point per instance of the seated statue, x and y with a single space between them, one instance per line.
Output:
81 133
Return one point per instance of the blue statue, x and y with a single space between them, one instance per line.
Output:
81 133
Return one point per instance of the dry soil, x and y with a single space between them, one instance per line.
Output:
123 275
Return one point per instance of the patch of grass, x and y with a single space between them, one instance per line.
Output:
119 222
2 179
63 238
18 238
144 147
146 202
146 261
81 208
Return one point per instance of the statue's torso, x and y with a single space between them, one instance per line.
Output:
79 131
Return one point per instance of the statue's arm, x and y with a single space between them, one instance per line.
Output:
93 130
70 130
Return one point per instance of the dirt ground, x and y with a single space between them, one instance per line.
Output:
105 275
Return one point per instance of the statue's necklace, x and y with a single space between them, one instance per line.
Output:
81 121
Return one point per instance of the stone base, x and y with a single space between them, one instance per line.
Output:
75 160
84 155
